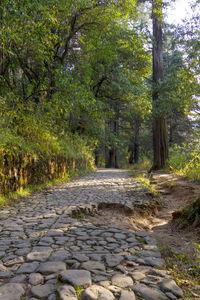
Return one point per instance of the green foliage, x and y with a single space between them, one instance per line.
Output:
198 252
190 215
70 68
143 164
185 160
146 183
31 153
79 290
11 197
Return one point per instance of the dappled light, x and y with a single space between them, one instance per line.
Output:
58 231
99 139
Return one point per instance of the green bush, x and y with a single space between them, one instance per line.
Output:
185 160
32 153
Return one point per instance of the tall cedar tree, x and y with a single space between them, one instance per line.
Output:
160 144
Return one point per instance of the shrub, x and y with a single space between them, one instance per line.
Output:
31 153
185 160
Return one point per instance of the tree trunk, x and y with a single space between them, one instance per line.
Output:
160 145
96 157
134 144
111 154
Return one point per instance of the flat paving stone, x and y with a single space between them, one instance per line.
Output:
42 291
93 265
28 267
51 267
41 238
80 257
170 286
67 292
149 293
113 260
122 281
18 279
36 278
138 275
39 255
127 295
59 255
11 291
154 262
77 278
96 292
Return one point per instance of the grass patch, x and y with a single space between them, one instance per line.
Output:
144 164
140 168
79 290
77 215
170 184
3 201
190 215
146 183
185 161
184 269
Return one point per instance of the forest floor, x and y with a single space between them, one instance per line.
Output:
177 243
178 240
104 235
177 192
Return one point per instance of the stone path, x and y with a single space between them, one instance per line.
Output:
50 250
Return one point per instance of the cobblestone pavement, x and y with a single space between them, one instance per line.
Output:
49 250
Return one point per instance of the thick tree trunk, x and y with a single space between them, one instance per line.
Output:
160 144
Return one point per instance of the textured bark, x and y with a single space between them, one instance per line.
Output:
160 145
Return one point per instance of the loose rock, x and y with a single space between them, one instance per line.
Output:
169 285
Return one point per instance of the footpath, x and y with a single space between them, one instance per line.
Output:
50 249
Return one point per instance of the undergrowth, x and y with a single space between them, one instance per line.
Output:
184 269
185 160
32 188
34 154
190 215
141 176
146 183
144 164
